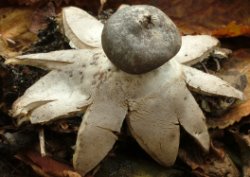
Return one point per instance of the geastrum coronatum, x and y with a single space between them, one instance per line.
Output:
155 99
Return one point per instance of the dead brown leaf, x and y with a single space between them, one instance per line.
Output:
19 27
14 30
215 163
40 17
215 17
241 134
46 166
235 115
92 6
26 2
232 29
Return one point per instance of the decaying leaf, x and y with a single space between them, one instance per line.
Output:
85 80
234 115
24 2
40 17
46 166
216 163
14 30
232 29
218 18
241 134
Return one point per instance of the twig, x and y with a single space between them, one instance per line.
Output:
42 142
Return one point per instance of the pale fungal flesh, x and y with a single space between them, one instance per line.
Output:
155 104
195 50
83 30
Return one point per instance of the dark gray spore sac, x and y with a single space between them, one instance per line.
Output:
140 38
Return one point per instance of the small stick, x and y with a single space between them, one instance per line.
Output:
102 2
42 142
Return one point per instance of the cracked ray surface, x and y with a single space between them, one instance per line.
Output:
155 104
147 123
191 117
101 121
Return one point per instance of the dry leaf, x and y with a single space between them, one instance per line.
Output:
215 163
25 2
47 166
14 30
232 29
241 134
40 17
92 6
235 115
218 18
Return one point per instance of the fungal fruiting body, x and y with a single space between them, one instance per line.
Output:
155 104
138 39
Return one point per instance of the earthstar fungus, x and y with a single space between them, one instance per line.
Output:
155 104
